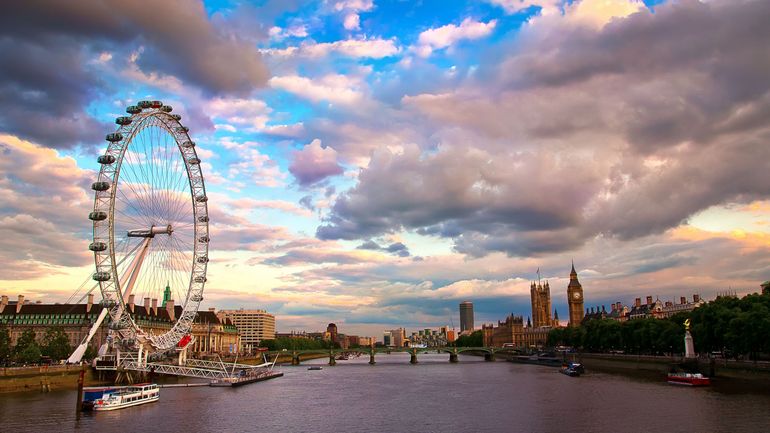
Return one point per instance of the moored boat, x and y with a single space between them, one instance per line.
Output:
119 397
688 379
572 369
539 359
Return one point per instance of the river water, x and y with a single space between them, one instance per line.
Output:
432 396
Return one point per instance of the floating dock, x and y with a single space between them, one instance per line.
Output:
239 381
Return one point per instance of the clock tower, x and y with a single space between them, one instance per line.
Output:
575 299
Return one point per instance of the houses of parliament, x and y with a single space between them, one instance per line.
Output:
513 331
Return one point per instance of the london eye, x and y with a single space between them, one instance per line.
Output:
150 226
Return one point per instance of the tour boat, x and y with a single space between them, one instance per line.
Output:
119 397
688 379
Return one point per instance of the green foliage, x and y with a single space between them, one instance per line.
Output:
476 339
5 346
649 336
289 343
27 350
56 345
737 326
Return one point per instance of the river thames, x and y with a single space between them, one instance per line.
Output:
432 396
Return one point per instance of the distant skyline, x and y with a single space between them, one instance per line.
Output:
374 164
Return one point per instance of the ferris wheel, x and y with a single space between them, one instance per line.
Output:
150 225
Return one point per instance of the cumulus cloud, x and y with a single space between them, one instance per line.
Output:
623 129
314 163
374 48
396 248
249 112
513 6
51 81
252 204
43 219
339 89
352 22
256 167
450 34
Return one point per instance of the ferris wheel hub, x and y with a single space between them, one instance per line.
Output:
154 230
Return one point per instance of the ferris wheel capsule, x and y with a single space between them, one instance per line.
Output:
123 120
105 159
101 276
166 108
97 246
176 117
133 109
144 104
100 186
114 136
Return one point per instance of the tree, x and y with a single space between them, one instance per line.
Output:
476 339
5 346
56 345
27 350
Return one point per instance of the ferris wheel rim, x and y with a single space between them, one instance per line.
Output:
112 162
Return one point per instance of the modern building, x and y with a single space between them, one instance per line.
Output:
575 298
254 326
466 316
432 337
395 338
331 332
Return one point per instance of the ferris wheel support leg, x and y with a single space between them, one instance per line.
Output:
77 355
128 279
139 358
183 356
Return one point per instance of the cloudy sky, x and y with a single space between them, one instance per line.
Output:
373 163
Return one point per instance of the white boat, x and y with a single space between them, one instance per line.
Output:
119 397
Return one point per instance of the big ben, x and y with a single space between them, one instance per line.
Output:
575 299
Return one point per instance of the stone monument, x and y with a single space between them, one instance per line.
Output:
689 346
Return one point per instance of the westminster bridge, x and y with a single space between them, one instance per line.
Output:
337 353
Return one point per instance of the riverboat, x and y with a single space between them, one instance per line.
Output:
688 379
119 397
572 369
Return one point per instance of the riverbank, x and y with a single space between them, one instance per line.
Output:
45 378
717 368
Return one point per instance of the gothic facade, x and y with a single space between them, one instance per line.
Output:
541 305
575 299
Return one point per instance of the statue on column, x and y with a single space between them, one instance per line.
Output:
689 346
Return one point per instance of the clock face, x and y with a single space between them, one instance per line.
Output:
576 295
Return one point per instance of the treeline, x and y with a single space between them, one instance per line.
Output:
475 339
646 336
54 346
735 327
289 343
